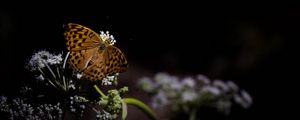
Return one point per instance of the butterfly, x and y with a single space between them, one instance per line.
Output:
92 54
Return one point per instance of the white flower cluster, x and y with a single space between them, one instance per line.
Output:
109 80
50 68
104 115
107 38
43 58
190 93
19 110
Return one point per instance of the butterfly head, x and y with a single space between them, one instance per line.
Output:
107 38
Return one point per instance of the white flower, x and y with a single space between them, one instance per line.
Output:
175 85
72 86
55 59
189 82
73 109
221 85
106 116
232 85
163 78
159 100
247 98
146 84
79 75
40 77
106 37
109 80
244 99
205 80
212 90
38 60
188 96
82 106
41 58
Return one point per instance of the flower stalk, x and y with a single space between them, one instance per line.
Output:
142 106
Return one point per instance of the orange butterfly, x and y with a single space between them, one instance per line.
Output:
93 54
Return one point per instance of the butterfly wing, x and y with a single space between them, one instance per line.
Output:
106 62
82 44
115 60
80 59
96 69
79 37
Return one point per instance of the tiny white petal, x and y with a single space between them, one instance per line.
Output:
246 97
40 77
78 75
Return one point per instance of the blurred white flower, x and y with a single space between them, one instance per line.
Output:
188 96
188 82
212 90
175 85
246 96
40 77
232 85
205 80
146 84
159 100
163 78
247 99
221 85
188 93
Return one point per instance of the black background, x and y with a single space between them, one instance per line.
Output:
253 46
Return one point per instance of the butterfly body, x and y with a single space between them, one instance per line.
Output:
91 54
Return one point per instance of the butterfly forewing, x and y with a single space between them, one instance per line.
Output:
79 37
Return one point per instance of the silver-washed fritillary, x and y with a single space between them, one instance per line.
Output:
94 56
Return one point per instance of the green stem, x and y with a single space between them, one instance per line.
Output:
193 115
65 61
99 91
142 106
64 66
124 110
52 73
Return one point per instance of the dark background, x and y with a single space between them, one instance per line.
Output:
253 46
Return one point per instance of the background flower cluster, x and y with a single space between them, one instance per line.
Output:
189 94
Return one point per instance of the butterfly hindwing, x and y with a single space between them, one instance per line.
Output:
115 60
